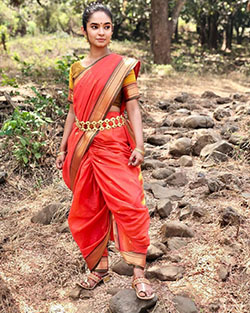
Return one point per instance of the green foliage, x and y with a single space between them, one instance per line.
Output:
8 81
26 67
63 67
45 105
25 130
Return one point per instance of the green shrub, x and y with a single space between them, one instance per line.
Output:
25 130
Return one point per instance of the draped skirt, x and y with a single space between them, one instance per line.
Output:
108 201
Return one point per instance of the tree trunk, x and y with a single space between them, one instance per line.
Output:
229 33
160 33
3 39
176 33
202 30
162 29
213 31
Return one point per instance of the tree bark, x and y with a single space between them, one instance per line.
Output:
162 29
213 31
160 35
229 33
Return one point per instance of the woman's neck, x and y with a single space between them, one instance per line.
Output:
95 54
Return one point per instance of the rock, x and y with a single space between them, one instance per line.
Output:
230 217
164 207
113 291
166 123
223 100
181 146
221 146
182 98
3 176
164 105
158 140
162 173
217 156
177 179
185 305
199 182
126 301
151 205
46 215
220 113
154 252
183 111
209 94
152 164
223 272
178 122
202 138
160 192
165 272
214 307
176 229
186 161
122 268
198 121
236 139
215 185
228 129
176 243
63 228
75 293
190 210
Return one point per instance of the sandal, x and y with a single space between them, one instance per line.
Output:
143 281
95 279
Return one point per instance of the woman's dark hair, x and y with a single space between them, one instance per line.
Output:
91 9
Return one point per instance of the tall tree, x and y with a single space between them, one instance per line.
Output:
162 28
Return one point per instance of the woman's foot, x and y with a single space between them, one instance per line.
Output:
93 279
141 285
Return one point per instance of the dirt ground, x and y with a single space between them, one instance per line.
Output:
39 265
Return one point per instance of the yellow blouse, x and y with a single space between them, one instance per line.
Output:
129 87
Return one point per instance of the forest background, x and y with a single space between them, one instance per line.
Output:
187 36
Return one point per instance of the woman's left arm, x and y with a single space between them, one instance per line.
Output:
134 115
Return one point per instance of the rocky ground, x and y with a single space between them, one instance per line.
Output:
197 187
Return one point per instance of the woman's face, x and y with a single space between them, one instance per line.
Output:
99 30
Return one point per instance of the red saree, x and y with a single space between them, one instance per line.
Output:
108 199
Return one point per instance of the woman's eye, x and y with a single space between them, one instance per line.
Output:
107 27
94 27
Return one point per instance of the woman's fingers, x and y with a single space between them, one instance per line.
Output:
135 159
59 161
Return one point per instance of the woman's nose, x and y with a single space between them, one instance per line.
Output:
101 31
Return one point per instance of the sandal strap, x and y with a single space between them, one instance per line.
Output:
140 280
95 277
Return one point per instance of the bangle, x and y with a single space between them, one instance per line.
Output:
62 152
140 151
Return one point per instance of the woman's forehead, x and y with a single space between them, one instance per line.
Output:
99 17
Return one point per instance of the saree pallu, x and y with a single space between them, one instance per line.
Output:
108 198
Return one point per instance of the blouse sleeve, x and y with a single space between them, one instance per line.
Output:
71 85
130 88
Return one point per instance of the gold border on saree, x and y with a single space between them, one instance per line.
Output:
101 125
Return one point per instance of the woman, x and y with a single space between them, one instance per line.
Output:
100 159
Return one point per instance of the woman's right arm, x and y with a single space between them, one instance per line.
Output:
67 130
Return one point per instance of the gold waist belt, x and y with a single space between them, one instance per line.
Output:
108 123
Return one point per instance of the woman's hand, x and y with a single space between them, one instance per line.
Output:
60 160
136 158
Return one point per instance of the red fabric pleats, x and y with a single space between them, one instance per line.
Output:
106 185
